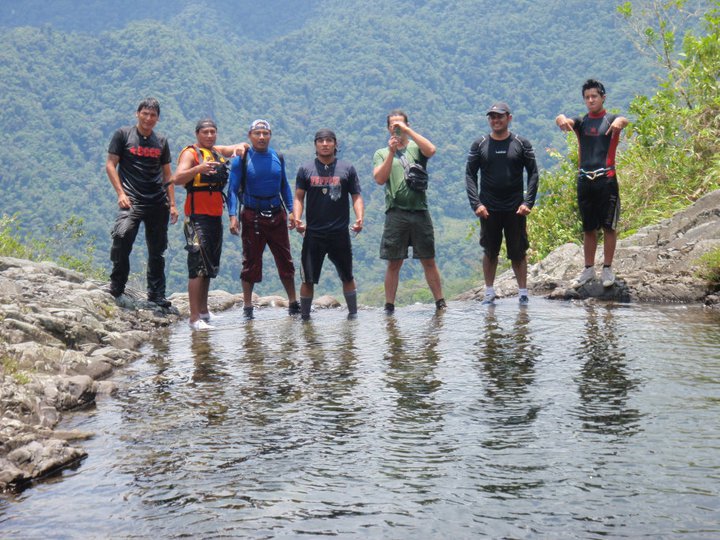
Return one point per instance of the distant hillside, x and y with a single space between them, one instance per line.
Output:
67 82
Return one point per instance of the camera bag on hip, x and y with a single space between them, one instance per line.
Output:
416 176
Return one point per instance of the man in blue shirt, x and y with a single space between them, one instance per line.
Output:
258 182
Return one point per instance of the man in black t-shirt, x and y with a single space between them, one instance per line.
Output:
138 166
598 196
328 185
502 202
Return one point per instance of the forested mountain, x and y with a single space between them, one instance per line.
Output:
72 72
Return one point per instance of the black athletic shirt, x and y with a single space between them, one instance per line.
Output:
327 188
141 163
597 150
501 165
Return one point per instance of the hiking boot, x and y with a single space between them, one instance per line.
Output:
248 312
607 277
440 304
294 308
159 301
389 308
586 275
200 325
488 299
523 300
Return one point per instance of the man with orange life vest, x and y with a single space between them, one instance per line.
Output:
138 166
598 196
203 170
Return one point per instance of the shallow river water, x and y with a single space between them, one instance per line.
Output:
560 420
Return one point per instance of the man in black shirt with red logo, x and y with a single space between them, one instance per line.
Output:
138 166
502 202
598 134
327 184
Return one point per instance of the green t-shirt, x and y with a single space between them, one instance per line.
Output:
397 192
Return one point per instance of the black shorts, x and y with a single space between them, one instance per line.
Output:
599 203
516 239
203 242
336 245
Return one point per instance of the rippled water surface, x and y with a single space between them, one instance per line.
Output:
556 421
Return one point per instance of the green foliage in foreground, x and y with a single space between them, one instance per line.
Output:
671 157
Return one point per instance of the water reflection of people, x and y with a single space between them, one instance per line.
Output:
332 379
604 384
416 447
209 378
507 358
411 368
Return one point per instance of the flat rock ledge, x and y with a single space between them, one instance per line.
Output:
61 336
657 264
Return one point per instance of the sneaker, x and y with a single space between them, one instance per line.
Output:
607 277
200 325
440 304
586 275
209 316
488 300
389 308
523 300
294 308
248 312
160 301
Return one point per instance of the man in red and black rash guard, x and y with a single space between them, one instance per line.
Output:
598 196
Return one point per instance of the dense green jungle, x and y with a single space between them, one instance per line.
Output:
72 72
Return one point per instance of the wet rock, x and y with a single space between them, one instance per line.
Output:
59 334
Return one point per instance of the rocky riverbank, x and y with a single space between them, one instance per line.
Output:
656 264
60 339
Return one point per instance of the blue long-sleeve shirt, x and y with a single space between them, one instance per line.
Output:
266 182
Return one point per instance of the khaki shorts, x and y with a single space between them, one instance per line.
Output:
404 228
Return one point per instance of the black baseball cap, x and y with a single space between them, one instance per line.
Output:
500 108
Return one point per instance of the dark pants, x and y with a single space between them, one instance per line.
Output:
127 224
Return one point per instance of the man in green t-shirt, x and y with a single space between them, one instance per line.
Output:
407 220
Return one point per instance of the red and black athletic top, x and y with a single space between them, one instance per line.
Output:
597 150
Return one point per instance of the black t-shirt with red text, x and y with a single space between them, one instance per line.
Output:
327 188
141 164
597 150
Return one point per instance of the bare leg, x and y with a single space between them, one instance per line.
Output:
348 287
204 297
432 276
520 271
195 291
489 269
589 247
610 241
307 290
247 288
289 284
392 278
